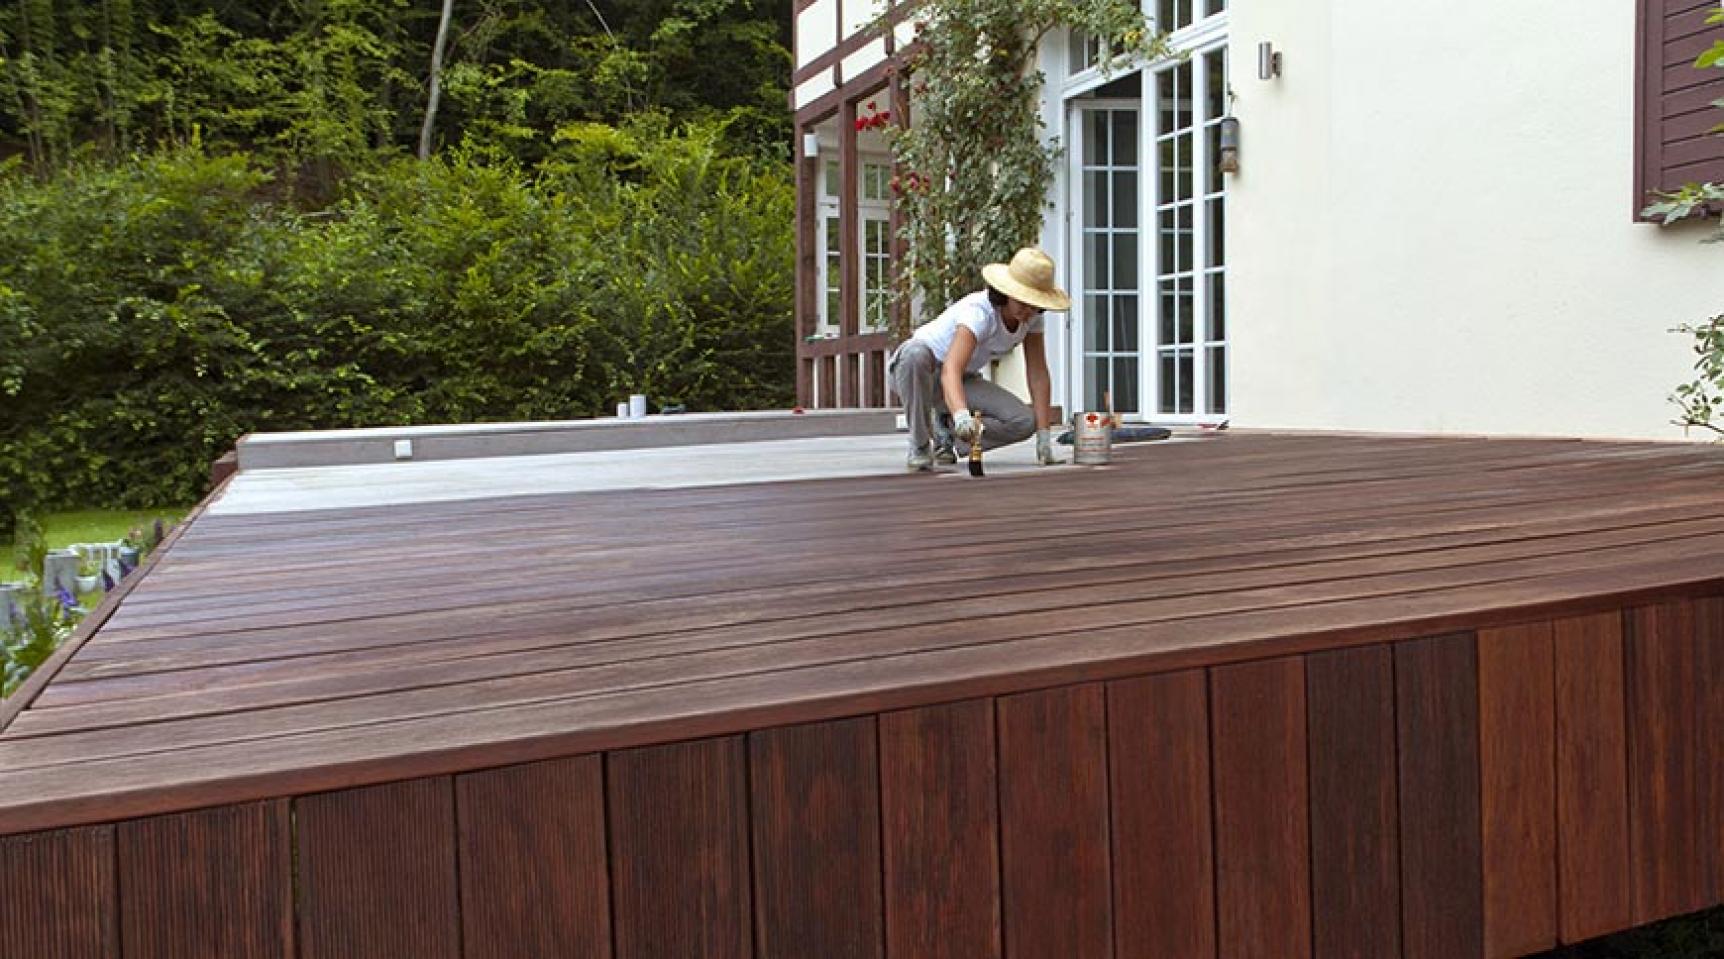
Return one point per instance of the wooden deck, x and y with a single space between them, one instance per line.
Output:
1255 696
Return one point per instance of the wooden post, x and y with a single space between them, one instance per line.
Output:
849 248
807 183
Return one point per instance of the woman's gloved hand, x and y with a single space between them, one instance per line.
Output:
965 426
1045 448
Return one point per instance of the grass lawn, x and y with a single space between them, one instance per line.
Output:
91 526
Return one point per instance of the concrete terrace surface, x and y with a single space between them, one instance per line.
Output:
671 467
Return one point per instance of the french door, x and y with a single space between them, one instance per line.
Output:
1146 219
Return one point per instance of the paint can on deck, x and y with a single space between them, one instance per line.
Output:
1092 439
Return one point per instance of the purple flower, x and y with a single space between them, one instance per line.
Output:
66 598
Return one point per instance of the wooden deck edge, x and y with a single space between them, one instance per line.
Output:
24 695
28 816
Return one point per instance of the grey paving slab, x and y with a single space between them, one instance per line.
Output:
716 464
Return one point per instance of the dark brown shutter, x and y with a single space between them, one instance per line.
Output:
1673 105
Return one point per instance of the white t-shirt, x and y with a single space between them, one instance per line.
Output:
993 340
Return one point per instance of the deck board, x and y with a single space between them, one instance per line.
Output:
275 654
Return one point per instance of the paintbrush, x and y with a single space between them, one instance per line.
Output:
976 447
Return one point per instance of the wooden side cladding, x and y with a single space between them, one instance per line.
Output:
940 817
57 894
1355 808
679 866
1592 777
532 860
1163 852
215 882
377 872
1054 823
1671 870
816 828
1462 796
1262 839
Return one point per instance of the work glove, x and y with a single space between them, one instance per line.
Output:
965 426
1045 448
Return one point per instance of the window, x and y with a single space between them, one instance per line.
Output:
874 233
1190 211
1108 172
1674 108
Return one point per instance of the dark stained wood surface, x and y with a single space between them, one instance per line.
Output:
293 653
533 870
1592 777
57 894
939 815
1057 878
1517 788
1163 849
377 873
1355 817
1262 818
1670 873
679 832
216 882
816 808
1437 715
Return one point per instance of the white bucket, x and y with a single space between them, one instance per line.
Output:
1092 439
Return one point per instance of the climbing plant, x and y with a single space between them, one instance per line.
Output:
973 166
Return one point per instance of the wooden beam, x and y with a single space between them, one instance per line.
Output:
849 244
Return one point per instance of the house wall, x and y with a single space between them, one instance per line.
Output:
1431 229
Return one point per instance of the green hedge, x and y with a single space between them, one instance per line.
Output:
152 312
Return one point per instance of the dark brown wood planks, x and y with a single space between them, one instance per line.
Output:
534 877
679 841
1163 852
1355 817
940 818
1592 777
216 882
1054 823
1517 788
1671 864
57 894
1262 820
377 872
1437 721
815 797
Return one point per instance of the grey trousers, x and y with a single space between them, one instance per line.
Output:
915 375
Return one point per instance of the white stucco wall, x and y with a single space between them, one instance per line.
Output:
1431 229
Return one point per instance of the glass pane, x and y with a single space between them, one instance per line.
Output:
1217 232
1214 6
1217 379
1095 199
1165 17
1218 306
1185 306
1095 338
1185 237
1169 310
1096 261
1125 323
1169 152
831 177
1182 99
1168 221
1217 83
1098 382
1166 93
1124 261
1182 172
831 307
1124 137
1125 384
1095 152
1187 381
1125 199
1079 44
1169 383
832 235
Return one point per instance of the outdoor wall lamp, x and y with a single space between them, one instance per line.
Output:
1228 161
1268 61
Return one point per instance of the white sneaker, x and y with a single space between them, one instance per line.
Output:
919 462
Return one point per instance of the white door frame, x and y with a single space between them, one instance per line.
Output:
1078 320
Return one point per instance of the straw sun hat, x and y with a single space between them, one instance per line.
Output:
1028 278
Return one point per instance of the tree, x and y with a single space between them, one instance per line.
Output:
436 79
